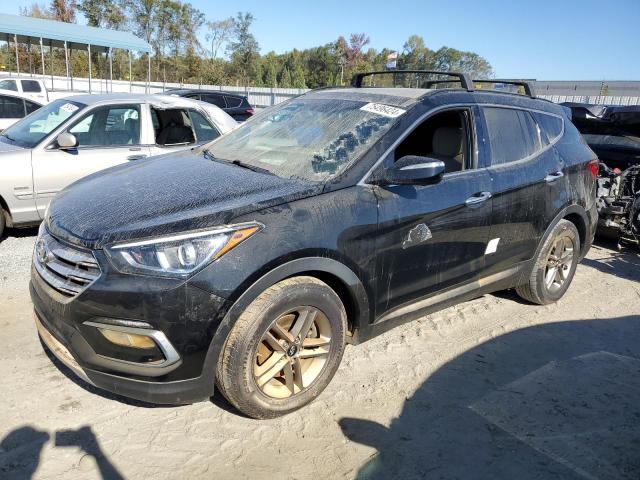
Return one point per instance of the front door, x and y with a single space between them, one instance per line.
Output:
432 237
106 136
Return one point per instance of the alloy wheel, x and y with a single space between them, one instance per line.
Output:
292 352
559 263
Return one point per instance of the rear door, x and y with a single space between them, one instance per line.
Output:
106 135
527 181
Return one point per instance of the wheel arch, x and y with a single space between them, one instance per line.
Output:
337 275
5 210
577 215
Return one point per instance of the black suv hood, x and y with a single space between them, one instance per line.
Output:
164 195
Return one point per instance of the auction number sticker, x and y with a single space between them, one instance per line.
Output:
384 110
69 107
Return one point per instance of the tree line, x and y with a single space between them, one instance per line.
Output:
189 48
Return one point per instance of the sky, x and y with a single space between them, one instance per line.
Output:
542 39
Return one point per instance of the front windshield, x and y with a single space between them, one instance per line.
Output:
30 131
306 138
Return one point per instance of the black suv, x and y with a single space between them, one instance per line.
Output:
234 104
250 262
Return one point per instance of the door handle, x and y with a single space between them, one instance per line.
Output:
136 157
552 177
477 198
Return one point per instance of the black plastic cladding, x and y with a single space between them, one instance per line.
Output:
311 227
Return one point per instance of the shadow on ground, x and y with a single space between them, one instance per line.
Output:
551 401
21 451
621 263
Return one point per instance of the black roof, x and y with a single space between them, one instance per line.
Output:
180 91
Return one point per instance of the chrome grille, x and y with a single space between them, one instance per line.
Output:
66 269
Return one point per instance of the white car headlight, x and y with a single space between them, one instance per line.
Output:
178 255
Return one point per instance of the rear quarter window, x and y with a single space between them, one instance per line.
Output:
550 126
233 102
212 98
513 135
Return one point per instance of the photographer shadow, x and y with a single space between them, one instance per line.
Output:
21 451
557 400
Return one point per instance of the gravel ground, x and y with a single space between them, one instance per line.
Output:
492 388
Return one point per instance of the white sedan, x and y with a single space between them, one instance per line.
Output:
75 136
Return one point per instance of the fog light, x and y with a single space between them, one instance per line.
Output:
124 339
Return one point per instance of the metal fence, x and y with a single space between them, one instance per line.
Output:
264 96
593 99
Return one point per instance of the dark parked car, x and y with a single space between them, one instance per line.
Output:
234 104
250 262
614 135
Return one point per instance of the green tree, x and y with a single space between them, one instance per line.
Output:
244 48
271 70
285 78
103 13
218 34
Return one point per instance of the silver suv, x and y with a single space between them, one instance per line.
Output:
75 136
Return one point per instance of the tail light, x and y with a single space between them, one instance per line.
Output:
249 111
593 167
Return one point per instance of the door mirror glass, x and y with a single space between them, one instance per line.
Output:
414 170
66 141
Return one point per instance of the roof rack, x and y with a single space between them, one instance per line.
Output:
528 87
464 79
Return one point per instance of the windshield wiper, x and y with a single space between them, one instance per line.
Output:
8 137
237 163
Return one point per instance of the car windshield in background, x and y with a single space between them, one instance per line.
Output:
311 139
30 131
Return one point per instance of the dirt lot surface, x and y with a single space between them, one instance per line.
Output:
492 388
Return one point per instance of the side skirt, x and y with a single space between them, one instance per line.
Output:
498 281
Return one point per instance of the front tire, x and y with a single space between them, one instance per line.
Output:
284 349
555 266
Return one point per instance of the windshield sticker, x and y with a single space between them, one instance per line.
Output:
69 107
384 110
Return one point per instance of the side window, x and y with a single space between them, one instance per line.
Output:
445 136
217 100
513 135
203 129
31 107
9 85
11 107
109 126
174 127
193 96
30 86
233 102
550 126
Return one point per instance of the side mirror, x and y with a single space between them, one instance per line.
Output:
66 141
414 170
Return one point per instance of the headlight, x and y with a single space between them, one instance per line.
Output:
178 255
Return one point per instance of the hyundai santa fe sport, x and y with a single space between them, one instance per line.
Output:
247 264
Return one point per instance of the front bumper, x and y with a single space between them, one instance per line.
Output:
185 316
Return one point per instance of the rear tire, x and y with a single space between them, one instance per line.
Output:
284 349
555 266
